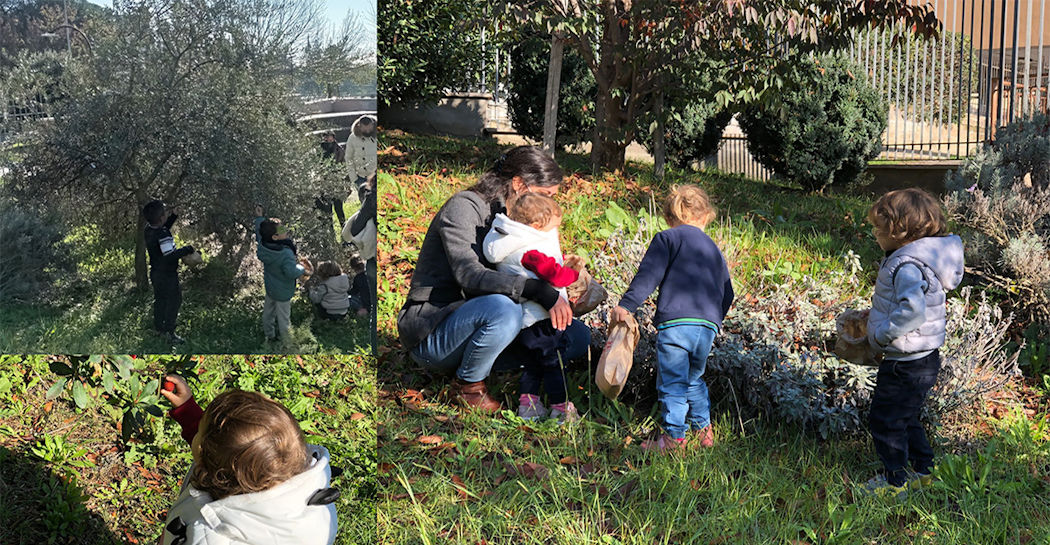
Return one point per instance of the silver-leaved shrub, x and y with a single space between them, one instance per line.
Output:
772 357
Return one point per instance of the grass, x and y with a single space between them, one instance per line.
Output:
98 311
451 477
67 476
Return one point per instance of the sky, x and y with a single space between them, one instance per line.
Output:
335 10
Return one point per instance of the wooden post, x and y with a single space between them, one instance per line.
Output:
550 111
659 147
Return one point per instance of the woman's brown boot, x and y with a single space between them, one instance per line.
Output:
474 395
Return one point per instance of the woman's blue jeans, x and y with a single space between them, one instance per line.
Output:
472 341
681 358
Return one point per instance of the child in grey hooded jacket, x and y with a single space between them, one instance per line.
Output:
907 325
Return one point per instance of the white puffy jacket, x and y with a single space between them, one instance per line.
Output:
277 516
505 244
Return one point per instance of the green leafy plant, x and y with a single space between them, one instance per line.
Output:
61 454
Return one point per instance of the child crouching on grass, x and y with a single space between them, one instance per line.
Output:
695 295
337 295
524 241
253 479
907 324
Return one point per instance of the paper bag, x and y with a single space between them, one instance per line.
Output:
852 344
585 294
617 358
193 259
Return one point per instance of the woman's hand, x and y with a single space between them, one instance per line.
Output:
561 314
180 391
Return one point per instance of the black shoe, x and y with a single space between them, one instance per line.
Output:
175 339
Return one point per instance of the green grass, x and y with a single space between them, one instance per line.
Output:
464 479
451 477
98 311
67 476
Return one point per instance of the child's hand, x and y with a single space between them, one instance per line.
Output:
179 391
618 314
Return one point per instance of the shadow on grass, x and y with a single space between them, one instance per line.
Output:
39 506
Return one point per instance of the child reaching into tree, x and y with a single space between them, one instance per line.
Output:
253 479
695 295
907 325
164 268
280 271
524 241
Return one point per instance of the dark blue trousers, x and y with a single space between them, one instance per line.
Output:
896 403
544 349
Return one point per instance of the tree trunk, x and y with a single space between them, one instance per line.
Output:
141 276
608 147
550 111
659 149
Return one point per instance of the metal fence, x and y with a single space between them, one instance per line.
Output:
15 117
947 96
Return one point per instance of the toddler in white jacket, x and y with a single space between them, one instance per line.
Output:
524 241
254 479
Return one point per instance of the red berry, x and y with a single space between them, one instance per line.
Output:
169 386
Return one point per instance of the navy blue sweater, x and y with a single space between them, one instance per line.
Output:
692 276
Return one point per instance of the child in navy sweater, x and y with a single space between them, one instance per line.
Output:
695 294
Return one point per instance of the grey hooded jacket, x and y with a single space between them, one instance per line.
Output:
908 313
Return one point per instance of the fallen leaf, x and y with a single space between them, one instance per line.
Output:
356 416
569 461
533 470
429 440
461 487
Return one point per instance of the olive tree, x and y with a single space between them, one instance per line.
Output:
186 101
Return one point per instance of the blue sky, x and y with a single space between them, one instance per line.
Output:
335 10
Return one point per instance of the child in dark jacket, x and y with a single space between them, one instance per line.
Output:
253 479
695 295
164 268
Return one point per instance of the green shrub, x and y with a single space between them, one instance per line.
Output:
692 134
822 133
1001 199
527 88
33 255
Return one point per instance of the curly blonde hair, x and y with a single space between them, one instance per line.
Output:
906 215
688 204
533 209
248 443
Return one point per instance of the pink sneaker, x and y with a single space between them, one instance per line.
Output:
663 443
530 407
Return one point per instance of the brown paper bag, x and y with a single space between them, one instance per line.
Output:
852 344
617 358
193 259
585 294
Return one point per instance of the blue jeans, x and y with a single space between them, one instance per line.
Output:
681 357
472 340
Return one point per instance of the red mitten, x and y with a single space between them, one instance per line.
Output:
547 268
